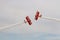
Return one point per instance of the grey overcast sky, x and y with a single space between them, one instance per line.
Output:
13 11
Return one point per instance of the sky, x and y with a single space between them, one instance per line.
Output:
14 11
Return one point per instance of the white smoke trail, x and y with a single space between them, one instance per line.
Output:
10 26
49 18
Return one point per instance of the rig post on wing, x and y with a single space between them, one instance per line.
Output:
28 20
37 15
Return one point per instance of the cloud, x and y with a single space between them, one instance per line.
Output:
32 36
15 11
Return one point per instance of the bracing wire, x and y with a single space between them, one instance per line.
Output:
10 26
49 18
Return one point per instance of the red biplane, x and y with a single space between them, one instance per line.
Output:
28 20
37 15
